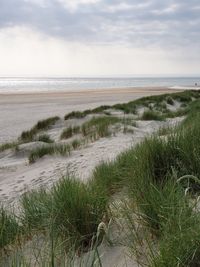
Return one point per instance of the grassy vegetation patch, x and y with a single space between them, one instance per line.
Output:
70 207
6 146
54 149
45 138
159 104
76 143
9 228
82 114
99 126
169 100
74 115
152 115
69 132
28 136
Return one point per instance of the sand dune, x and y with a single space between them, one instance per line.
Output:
20 111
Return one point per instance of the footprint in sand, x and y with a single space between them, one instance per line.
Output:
15 187
20 181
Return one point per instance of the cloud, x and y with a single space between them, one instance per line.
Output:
27 52
152 22
73 5
171 27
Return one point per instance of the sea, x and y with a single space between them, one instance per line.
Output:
44 84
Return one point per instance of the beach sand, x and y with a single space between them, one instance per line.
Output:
19 112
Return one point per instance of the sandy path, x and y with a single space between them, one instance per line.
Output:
20 111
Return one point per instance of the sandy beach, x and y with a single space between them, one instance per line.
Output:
19 112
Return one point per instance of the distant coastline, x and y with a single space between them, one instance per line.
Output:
36 85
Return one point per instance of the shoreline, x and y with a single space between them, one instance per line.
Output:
93 91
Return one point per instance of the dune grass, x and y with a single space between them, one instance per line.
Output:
36 210
52 149
162 202
45 138
159 102
169 100
83 114
9 228
95 128
152 115
70 207
11 145
28 136
163 228
179 243
99 126
76 143
69 132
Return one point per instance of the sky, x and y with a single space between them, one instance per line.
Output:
99 38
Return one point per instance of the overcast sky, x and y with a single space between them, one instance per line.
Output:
99 37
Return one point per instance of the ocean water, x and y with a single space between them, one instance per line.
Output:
28 85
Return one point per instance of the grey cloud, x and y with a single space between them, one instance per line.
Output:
134 22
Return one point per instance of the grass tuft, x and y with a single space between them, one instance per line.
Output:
152 115
58 149
9 228
28 136
99 126
69 132
6 146
45 138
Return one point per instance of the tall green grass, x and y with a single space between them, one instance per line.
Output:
163 202
9 228
71 207
36 210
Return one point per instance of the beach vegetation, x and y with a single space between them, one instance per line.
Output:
69 132
161 178
45 138
151 115
74 115
52 149
99 126
169 100
11 145
70 207
76 143
9 228
83 114
28 136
